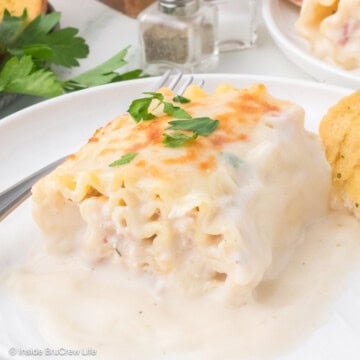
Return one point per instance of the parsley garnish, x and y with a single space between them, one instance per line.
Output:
155 95
176 111
10 28
130 75
201 126
181 99
60 47
21 76
27 50
177 139
103 73
125 159
139 108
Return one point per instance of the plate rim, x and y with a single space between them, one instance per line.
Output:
256 78
278 37
240 77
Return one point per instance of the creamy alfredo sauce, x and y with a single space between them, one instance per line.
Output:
131 317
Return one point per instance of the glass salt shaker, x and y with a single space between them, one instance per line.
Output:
237 23
179 34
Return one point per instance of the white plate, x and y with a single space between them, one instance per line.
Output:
33 137
280 17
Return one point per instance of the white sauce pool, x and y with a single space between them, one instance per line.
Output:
127 317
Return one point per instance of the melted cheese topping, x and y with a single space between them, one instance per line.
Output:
219 214
333 29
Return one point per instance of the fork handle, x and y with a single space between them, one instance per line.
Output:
18 193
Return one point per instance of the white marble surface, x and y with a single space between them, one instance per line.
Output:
108 31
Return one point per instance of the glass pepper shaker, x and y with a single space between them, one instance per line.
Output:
179 34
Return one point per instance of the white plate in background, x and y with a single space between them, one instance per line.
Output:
37 135
280 17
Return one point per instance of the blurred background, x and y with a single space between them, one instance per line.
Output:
128 7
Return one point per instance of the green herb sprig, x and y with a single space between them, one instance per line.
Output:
175 140
21 76
181 99
139 108
202 126
28 49
125 159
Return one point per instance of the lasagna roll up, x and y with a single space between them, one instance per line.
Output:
221 212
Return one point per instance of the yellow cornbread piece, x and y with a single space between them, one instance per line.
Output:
16 7
340 133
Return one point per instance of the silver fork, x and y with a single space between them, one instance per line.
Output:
12 197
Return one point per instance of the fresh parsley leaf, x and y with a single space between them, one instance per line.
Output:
181 99
176 111
45 44
10 28
70 86
125 159
155 95
103 73
64 45
175 140
21 76
139 108
201 126
37 29
37 52
130 75
15 68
